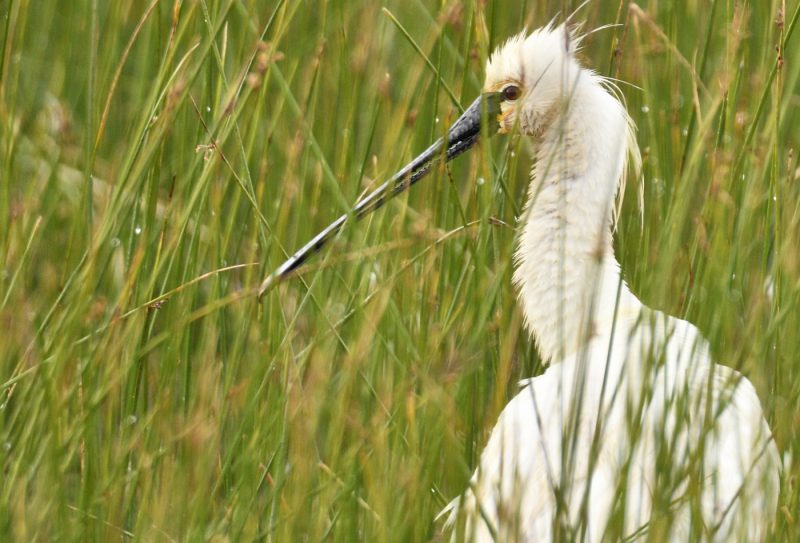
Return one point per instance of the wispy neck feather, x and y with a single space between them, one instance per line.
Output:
566 270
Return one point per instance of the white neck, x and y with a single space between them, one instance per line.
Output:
567 273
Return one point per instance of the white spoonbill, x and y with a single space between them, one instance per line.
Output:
633 432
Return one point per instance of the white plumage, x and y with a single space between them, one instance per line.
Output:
633 431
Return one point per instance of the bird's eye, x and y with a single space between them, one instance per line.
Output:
511 93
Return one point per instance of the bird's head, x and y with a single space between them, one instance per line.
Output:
533 74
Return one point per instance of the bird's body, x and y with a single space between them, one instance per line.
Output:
632 431
598 448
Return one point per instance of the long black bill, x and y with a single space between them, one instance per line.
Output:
462 135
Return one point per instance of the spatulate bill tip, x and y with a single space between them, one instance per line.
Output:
267 285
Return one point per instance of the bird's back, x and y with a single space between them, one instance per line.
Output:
616 442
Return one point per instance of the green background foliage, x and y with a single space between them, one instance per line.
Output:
158 159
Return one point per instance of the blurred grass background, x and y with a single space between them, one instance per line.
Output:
158 158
